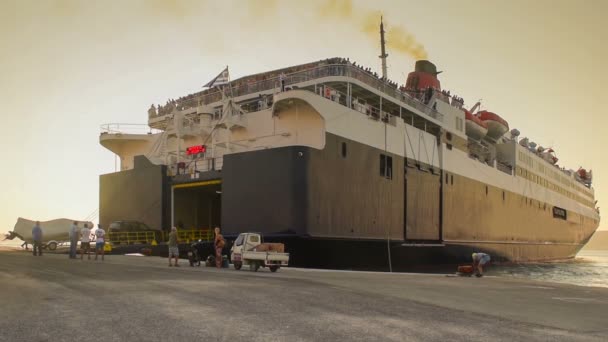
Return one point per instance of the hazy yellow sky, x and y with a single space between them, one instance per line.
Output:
67 67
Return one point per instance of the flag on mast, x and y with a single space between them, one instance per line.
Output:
222 78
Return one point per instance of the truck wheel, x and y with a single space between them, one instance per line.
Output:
52 246
238 265
273 268
254 266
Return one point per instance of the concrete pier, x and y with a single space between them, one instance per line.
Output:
52 298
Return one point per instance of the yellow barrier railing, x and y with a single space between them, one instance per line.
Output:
152 237
187 236
146 237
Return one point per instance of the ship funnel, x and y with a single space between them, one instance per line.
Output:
424 76
426 67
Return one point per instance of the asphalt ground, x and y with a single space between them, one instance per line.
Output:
126 298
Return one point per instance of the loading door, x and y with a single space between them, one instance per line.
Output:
197 205
422 205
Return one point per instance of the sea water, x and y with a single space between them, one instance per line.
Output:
589 268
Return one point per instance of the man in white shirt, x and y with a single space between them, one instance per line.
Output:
85 241
100 241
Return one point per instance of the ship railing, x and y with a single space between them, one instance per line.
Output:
244 87
190 167
127 128
506 168
356 104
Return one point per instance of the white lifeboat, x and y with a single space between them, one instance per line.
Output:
584 176
497 126
549 156
475 128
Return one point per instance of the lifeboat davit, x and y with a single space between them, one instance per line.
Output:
475 128
497 126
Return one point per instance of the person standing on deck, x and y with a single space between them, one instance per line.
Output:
85 241
37 238
282 82
100 242
219 243
74 234
173 246
479 260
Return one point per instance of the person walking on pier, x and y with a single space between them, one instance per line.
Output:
85 241
74 234
219 243
173 246
479 260
37 238
100 242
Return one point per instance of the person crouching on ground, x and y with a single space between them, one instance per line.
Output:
85 241
100 242
479 260
173 246
219 243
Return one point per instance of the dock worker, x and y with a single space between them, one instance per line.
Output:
37 238
219 243
479 260
85 241
74 235
100 242
173 246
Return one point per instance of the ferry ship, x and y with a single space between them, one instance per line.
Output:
348 169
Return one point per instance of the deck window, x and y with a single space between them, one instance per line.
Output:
386 166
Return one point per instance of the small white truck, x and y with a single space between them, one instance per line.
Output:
248 249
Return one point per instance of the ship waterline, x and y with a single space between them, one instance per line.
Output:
341 166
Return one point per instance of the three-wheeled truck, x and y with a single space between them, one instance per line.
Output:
248 249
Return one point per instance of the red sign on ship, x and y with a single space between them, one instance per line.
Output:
196 149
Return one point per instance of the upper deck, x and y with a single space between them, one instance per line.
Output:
297 76
352 86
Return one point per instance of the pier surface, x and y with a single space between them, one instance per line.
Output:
125 298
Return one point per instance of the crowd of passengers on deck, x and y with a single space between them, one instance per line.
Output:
269 80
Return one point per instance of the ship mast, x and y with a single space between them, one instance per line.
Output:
383 50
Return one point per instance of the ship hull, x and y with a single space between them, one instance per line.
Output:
344 210
374 255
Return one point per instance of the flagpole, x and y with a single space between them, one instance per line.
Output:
231 108
229 82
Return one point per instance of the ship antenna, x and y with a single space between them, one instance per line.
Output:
383 49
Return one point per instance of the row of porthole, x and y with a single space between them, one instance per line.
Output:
503 194
532 177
